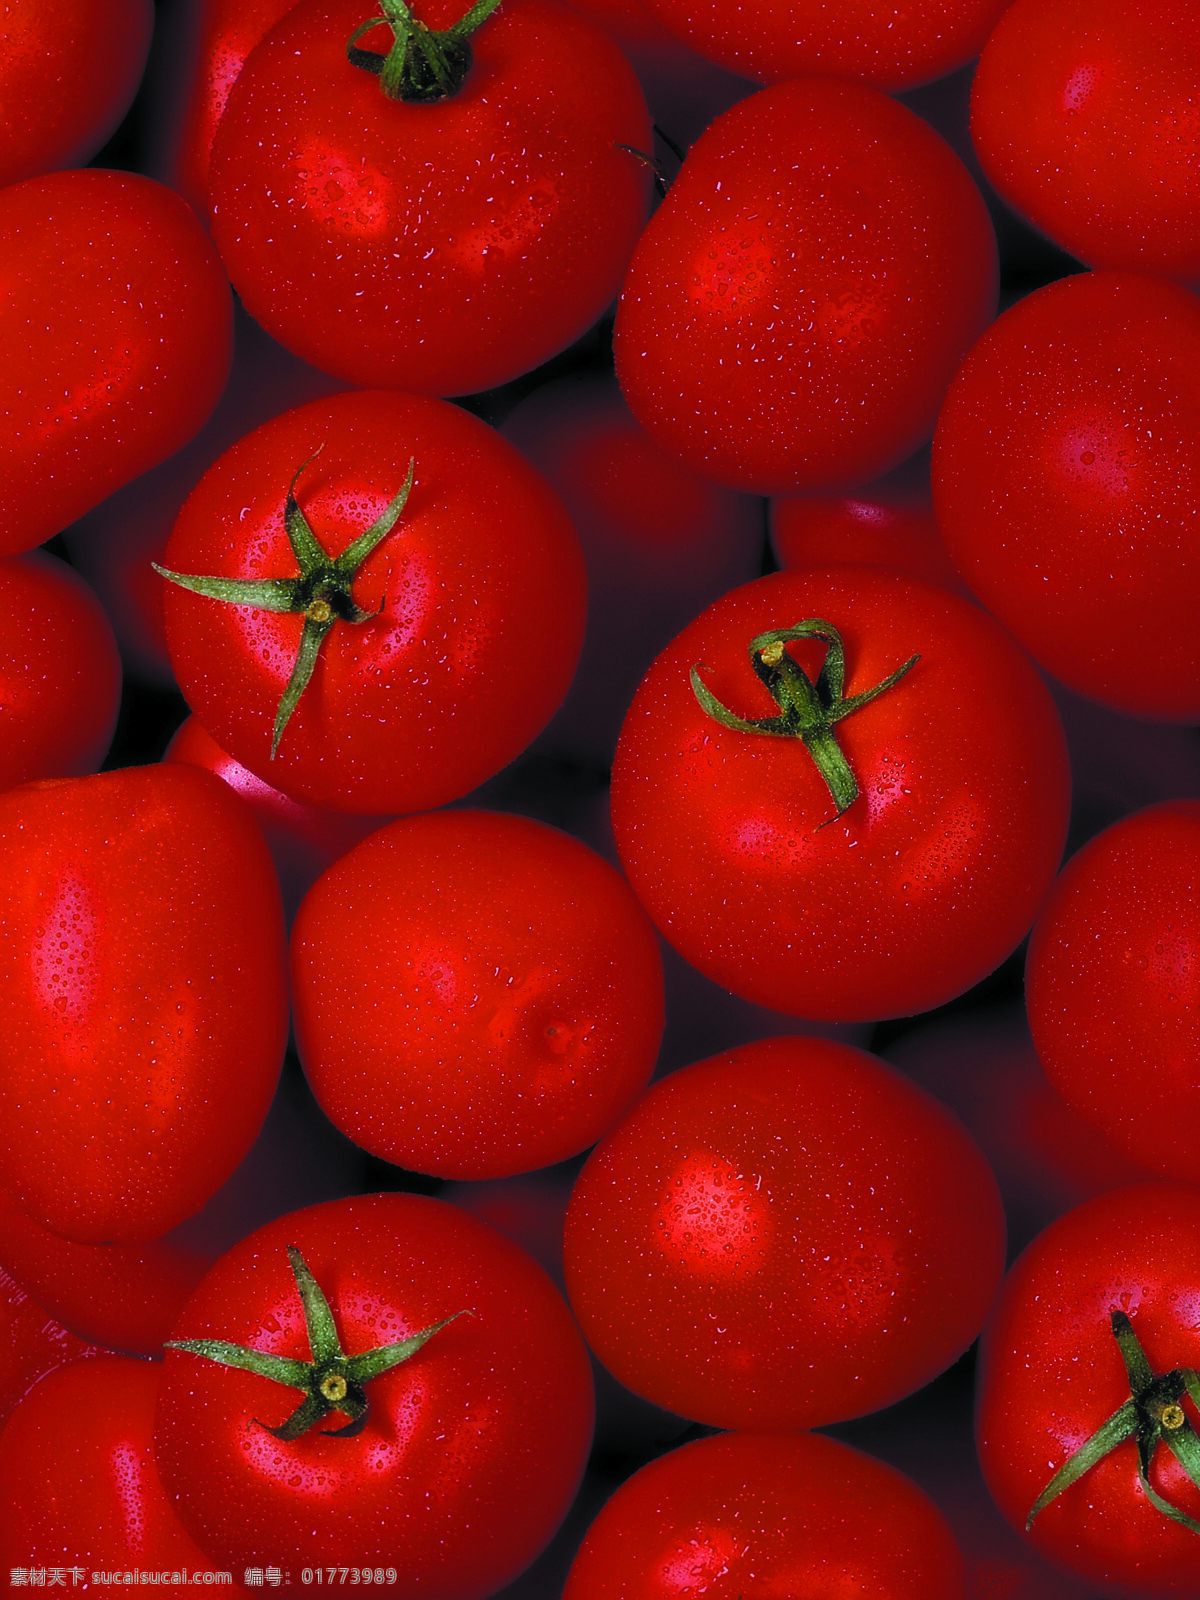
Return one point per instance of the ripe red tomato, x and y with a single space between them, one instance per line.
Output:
469 1452
925 882
1067 487
879 43
734 1256
1113 985
1083 116
62 673
102 376
475 995
798 304
1052 1374
143 1008
68 70
445 654
443 247
31 1344
79 1490
750 1513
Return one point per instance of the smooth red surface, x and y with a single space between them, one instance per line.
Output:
782 1236
798 304
786 1514
1067 486
929 879
479 591
143 1006
1051 1373
473 1448
60 674
1113 986
103 377
444 248
1083 113
475 995
31 1344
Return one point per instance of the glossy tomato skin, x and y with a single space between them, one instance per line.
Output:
1051 1373
32 1343
472 1449
862 39
444 248
68 70
479 589
102 377
929 879
1067 489
783 370
78 1483
142 1023
475 995
793 1514
1112 986
1083 118
62 683
735 1253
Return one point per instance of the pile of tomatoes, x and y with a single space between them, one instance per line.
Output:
571 576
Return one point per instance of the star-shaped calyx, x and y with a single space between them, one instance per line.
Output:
1151 1416
807 711
321 593
332 1380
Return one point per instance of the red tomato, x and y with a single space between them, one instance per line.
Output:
1113 986
924 883
102 376
749 1513
31 1344
79 1490
62 673
733 1256
470 1450
470 613
660 543
68 70
143 1010
475 995
1083 115
782 368
1067 487
440 247
890 46
1052 1374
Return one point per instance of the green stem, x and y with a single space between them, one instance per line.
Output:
423 65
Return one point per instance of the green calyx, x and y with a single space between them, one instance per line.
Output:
424 65
332 1380
807 711
1150 1417
321 593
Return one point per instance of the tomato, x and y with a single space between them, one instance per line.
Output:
734 1256
468 1452
1067 488
881 44
783 369
843 908
68 70
752 1513
660 543
443 247
79 1490
102 376
1112 984
31 1344
475 995
62 673
469 614
1052 1373
1083 115
142 1023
